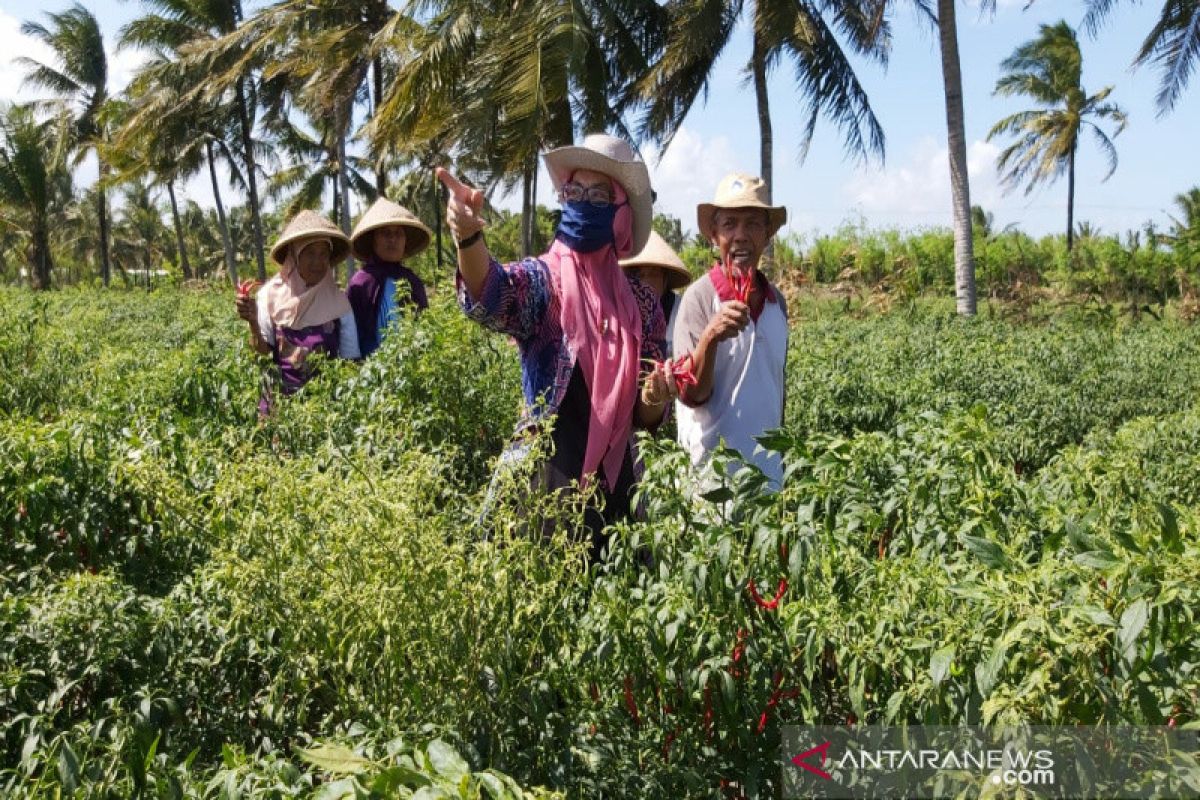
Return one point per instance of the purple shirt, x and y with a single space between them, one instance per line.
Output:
365 292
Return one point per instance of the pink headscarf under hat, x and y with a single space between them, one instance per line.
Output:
293 304
603 326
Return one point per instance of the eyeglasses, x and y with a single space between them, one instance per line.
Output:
599 196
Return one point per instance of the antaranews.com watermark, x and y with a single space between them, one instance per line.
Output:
1038 761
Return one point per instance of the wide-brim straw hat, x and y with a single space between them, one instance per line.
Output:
657 253
384 213
613 157
310 225
738 190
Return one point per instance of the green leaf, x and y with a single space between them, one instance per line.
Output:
432 793
987 671
986 551
335 758
894 704
721 494
727 689
392 778
446 760
1099 616
939 664
337 790
1097 559
1133 621
68 768
498 787
1170 521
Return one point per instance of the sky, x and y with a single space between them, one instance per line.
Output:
910 188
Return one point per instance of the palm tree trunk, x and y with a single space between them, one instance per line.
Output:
527 212
964 253
252 181
183 257
1071 200
766 139
437 218
43 262
102 208
380 169
230 264
533 226
344 190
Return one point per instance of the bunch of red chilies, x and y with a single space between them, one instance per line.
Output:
244 288
680 369
742 282
739 668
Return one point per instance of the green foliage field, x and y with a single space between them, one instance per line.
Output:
982 521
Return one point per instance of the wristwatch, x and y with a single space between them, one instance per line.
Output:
463 244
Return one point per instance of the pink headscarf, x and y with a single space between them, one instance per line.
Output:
603 326
293 304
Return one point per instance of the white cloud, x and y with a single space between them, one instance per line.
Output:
17 44
918 190
688 172
121 64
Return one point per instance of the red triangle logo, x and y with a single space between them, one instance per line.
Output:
801 760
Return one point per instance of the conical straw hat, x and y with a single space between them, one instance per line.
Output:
737 190
657 253
382 213
310 225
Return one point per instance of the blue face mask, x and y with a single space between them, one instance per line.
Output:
585 227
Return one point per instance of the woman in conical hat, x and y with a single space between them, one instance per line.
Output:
301 309
660 267
386 235
587 331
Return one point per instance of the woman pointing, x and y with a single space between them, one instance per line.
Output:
589 333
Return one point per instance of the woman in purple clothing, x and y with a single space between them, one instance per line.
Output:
386 235
300 310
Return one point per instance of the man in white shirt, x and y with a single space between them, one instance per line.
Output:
734 323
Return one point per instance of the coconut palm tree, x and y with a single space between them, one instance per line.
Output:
496 83
80 77
313 166
195 42
1047 69
35 183
317 55
814 36
1172 45
327 49
169 150
140 240
1184 237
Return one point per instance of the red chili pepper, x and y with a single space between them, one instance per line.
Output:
739 651
773 603
667 742
680 369
708 713
594 691
244 288
742 283
776 695
630 702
